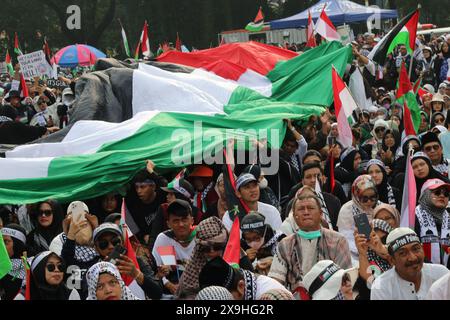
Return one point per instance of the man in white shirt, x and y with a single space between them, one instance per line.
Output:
411 278
179 240
247 189
243 284
440 290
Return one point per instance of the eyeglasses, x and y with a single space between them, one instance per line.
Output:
439 120
45 213
365 199
213 247
51 267
104 244
443 192
434 147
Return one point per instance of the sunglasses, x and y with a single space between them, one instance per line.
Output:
443 192
213 247
365 199
45 213
381 129
439 120
104 244
53 267
434 147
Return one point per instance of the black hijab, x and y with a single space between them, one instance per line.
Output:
18 246
347 162
39 288
55 228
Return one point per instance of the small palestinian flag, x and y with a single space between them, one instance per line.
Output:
16 45
9 65
403 33
257 24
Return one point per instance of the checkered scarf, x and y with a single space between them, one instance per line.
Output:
209 231
249 284
82 253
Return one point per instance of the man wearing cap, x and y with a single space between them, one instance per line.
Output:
202 181
107 237
327 281
243 284
432 146
15 110
411 278
179 240
433 220
247 189
298 252
266 193
143 200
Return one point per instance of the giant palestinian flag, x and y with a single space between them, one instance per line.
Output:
154 111
403 33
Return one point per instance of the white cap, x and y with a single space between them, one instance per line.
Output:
400 237
429 88
324 280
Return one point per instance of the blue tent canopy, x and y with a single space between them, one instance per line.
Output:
339 12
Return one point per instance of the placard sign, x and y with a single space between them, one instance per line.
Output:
34 65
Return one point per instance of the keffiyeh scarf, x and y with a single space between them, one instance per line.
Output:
93 275
250 285
82 253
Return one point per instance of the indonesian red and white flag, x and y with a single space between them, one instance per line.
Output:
344 105
168 255
409 197
311 43
145 43
325 28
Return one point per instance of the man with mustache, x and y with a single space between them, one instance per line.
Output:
411 278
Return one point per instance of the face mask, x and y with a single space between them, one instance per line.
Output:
263 184
309 235
256 245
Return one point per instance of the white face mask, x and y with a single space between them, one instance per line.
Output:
256 245
263 184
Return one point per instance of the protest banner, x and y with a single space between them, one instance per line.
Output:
34 65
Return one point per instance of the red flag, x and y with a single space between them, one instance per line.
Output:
259 16
232 254
407 121
404 85
127 244
408 216
411 25
332 181
325 27
178 43
145 42
47 51
27 277
310 33
23 87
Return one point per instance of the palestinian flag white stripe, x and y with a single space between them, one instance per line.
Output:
85 137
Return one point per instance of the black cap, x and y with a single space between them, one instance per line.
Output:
254 221
180 208
430 137
12 94
217 273
253 169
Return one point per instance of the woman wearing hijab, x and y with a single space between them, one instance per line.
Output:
47 278
47 218
437 119
433 220
347 171
387 194
373 256
444 55
259 241
211 241
423 171
389 146
15 243
424 122
373 145
106 284
364 199
388 214
399 166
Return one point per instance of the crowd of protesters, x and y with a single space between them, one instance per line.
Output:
302 237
